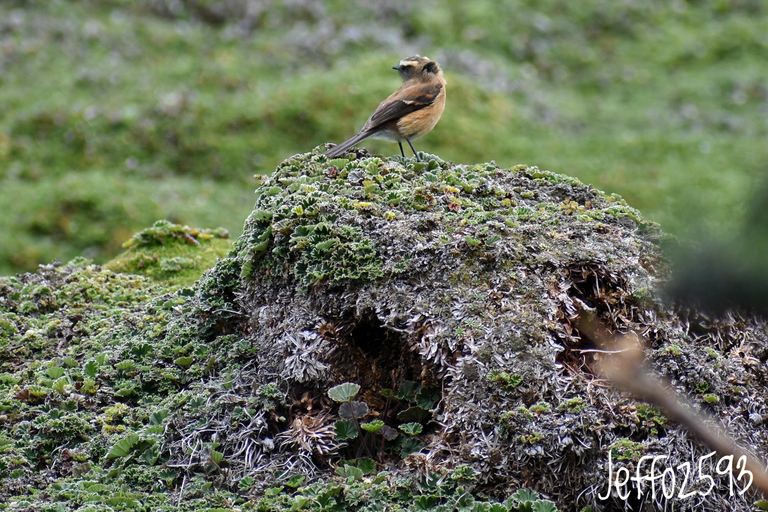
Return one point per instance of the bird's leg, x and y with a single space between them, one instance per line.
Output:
412 149
401 149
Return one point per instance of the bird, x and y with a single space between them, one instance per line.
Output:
408 113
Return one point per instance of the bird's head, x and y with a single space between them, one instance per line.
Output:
418 68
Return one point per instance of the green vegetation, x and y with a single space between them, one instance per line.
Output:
303 217
435 492
418 402
162 253
105 375
117 113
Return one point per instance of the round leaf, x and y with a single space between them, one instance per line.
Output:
373 426
345 430
354 409
344 392
413 414
388 432
412 429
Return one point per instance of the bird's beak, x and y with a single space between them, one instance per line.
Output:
396 68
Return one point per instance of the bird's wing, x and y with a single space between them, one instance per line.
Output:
401 103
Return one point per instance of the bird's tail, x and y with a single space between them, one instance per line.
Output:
341 148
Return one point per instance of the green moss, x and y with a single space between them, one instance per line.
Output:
305 215
673 350
625 449
434 491
176 255
506 381
540 408
573 405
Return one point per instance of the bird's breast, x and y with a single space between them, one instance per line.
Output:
419 123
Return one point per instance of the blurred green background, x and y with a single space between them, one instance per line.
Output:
115 113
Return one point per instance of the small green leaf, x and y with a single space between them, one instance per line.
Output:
412 429
410 445
70 361
426 502
123 447
246 483
427 398
338 162
326 245
260 247
54 372
407 390
149 456
345 430
523 495
158 417
91 368
60 384
295 481
344 392
184 361
125 365
367 466
351 473
373 426
124 392
413 414
472 241
97 488
217 457
262 215
543 506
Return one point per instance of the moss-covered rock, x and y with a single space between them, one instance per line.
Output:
464 281
446 293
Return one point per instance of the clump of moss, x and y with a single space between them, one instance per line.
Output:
313 215
172 253
93 362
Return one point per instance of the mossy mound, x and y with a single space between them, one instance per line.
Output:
448 293
162 253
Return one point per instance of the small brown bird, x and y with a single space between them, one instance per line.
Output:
410 112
